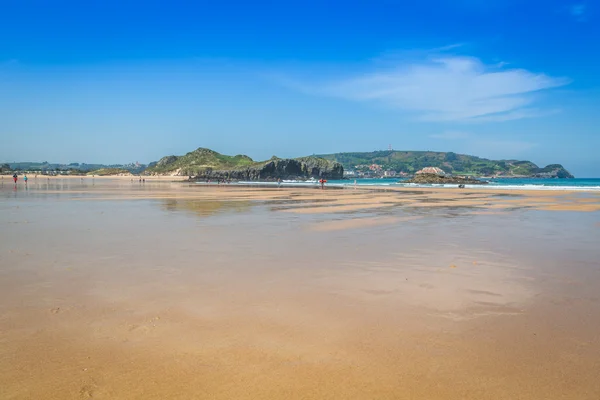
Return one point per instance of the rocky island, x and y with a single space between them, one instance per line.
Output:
436 179
205 164
434 175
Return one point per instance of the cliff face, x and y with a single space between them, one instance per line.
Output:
203 164
552 171
276 169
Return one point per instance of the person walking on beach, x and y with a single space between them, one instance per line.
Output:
25 179
322 182
15 177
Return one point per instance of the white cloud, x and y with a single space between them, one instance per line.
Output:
450 135
517 114
450 88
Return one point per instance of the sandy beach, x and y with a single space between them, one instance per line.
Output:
112 289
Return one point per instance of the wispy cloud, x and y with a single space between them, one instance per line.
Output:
450 88
517 114
450 135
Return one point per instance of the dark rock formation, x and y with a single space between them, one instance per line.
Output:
440 179
276 168
552 171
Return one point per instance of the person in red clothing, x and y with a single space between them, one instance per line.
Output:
15 178
322 182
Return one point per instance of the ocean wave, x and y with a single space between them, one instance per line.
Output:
491 186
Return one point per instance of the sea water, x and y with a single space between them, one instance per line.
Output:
581 184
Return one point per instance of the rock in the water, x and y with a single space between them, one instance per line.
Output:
425 178
432 170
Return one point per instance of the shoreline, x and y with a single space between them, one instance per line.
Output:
552 189
310 198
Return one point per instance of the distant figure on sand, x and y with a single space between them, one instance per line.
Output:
322 182
25 178
15 178
279 182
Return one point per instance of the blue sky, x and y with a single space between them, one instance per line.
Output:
119 81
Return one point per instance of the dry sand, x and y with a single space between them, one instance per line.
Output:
114 290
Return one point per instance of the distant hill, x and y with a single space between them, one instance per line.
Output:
208 164
458 164
76 168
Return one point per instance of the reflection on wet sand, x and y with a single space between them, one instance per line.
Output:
122 292
205 208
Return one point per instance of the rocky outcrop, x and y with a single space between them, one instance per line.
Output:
552 171
275 169
425 178
204 164
432 171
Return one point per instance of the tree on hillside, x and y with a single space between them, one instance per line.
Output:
450 156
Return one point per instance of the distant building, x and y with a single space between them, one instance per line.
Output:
389 173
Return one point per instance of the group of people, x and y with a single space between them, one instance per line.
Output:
16 178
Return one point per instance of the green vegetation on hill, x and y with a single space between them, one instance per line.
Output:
208 164
109 171
458 164
199 160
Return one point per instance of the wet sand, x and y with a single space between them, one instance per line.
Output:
115 290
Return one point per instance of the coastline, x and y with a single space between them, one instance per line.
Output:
529 184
